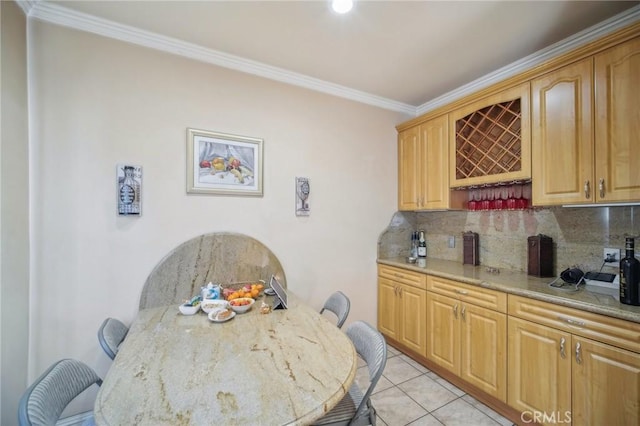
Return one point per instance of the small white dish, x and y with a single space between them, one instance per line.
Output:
188 309
209 305
269 291
214 314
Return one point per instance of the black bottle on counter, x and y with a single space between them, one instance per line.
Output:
629 275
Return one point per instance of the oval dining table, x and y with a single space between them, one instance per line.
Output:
285 367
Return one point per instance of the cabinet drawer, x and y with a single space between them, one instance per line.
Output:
617 332
414 279
479 296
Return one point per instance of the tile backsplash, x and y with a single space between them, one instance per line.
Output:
579 234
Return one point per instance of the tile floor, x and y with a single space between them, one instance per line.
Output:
410 394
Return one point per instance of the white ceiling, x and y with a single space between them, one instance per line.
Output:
406 53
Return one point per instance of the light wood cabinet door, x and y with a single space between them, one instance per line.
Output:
409 173
413 318
423 166
539 368
606 384
617 82
443 332
562 136
484 353
434 178
387 308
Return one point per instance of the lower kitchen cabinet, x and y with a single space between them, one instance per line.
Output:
466 339
402 311
560 376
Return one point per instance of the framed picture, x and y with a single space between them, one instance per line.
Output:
129 189
219 163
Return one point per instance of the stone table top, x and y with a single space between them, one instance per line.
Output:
286 367
590 299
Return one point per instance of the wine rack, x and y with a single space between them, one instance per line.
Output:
488 141
491 141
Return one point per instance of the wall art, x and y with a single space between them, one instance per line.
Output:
129 189
224 164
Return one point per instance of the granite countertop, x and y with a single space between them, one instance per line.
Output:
591 299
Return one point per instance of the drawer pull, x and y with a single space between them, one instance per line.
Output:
462 312
562 352
463 292
578 353
572 322
455 310
398 275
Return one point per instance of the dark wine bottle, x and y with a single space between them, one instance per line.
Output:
629 275
422 245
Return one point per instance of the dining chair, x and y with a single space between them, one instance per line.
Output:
43 402
110 334
339 304
355 408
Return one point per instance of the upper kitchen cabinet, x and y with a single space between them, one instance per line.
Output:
490 139
423 166
562 136
581 155
617 127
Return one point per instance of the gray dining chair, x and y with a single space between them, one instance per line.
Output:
110 335
355 408
339 304
44 401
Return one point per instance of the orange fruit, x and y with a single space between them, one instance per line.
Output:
255 292
260 286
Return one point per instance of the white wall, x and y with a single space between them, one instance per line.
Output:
14 211
97 102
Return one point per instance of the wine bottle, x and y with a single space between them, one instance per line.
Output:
422 245
629 275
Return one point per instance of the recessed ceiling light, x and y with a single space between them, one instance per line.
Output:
342 6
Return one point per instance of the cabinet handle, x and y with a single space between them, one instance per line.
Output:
463 292
455 310
587 190
462 312
398 275
400 291
601 187
562 352
572 322
578 353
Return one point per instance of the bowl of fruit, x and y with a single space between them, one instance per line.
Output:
241 304
238 290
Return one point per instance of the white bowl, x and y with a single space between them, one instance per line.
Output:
209 305
188 309
241 304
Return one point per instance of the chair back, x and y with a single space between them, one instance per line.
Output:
110 334
372 348
43 402
339 304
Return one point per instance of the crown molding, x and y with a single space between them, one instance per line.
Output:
563 46
26 5
59 15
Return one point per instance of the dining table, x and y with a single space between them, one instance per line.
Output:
285 367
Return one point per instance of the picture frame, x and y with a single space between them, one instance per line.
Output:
224 164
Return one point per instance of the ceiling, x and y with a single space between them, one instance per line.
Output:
404 52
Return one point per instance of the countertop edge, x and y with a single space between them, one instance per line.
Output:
563 299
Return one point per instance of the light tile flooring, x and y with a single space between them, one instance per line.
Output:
410 394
